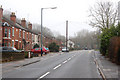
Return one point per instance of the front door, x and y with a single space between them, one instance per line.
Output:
16 44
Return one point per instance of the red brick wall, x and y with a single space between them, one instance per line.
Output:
113 50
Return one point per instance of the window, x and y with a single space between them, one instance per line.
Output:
20 33
12 31
20 45
32 36
27 35
24 34
9 33
12 43
16 30
9 44
5 24
5 32
5 43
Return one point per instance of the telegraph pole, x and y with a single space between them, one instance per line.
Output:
66 34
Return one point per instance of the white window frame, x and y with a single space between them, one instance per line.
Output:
23 34
20 33
9 44
6 32
13 31
9 33
32 36
27 35
12 43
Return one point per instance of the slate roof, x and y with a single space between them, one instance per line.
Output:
17 25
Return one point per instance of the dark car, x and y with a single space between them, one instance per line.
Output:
9 49
86 48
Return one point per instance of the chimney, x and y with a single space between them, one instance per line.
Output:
30 26
1 13
13 17
23 22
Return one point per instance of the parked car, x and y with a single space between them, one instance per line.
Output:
38 50
65 50
86 48
47 50
9 49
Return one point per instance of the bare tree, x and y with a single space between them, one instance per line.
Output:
85 38
103 15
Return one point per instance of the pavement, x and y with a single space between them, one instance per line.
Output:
15 64
110 70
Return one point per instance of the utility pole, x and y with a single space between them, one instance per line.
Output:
66 34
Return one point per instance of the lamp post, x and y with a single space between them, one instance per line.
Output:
42 25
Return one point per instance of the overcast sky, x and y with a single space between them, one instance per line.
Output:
75 11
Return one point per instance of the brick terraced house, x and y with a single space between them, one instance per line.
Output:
20 35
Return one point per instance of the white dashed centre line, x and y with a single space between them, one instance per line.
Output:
69 59
57 66
65 61
44 75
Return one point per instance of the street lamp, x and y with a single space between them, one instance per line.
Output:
41 24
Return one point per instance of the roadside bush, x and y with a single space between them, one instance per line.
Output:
71 49
53 47
105 38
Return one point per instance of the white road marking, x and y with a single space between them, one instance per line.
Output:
72 56
44 75
57 66
69 59
65 61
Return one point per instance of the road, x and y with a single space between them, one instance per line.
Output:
76 64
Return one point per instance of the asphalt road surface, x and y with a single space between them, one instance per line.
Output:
76 64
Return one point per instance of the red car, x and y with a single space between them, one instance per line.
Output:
38 50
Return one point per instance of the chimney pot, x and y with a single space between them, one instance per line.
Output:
30 25
23 18
23 22
13 13
1 6
13 17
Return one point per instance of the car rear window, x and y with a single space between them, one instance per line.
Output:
37 49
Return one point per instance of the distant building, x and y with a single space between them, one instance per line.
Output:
71 44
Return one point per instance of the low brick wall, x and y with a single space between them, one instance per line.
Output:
12 56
